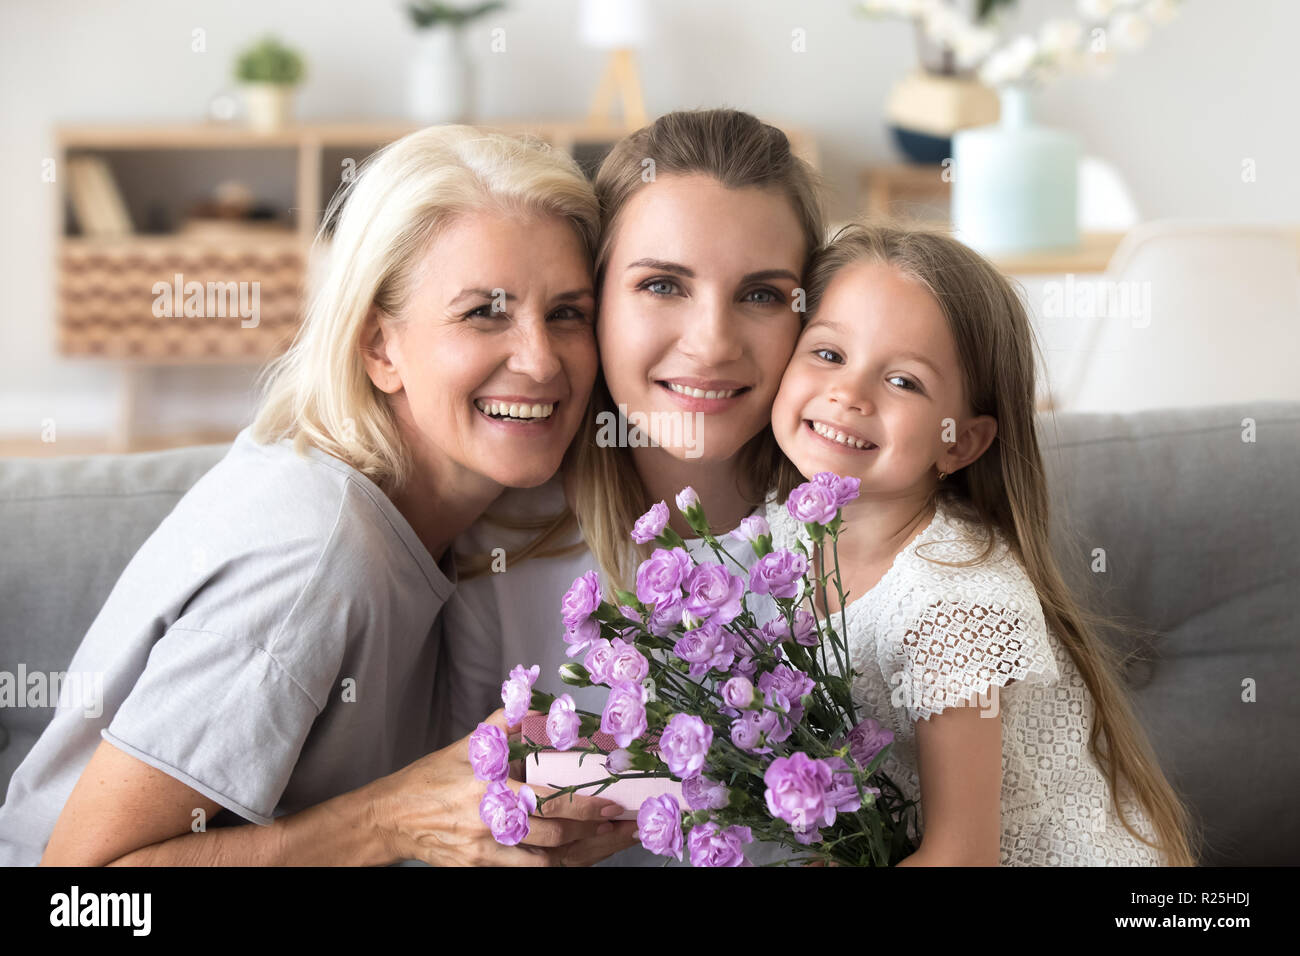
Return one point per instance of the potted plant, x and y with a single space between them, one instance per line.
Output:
440 82
268 72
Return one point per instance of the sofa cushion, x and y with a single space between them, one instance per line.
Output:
69 527
1199 532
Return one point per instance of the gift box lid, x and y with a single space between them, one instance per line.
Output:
533 730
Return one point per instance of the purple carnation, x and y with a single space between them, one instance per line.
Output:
581 600
581 636
664 618
687 498
489 753
751 529
517 692
714 593
706 647
701 793
748 729
684 744
626 664
866 740
805 629
563 722
738 692
651 524
624 715
660 577
842 794
796 791
844 489
789 685
712 846
745 665
506 813
813 503
597 661
659 825
779 574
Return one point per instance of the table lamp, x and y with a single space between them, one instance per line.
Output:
619 26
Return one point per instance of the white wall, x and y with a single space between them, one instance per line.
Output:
1215 87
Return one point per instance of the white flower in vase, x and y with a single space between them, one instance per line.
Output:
1095 9
1130 30
1012 63
1060 40
1160 11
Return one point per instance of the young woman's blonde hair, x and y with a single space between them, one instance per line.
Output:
1005 489
318 392
739 151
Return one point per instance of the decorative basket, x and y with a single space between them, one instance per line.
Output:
157 302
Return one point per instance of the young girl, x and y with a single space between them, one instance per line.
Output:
915 374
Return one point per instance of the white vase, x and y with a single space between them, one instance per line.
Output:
269 105
439 78
1015 183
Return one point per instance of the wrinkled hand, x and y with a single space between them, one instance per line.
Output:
428 811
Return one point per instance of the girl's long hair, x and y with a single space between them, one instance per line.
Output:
1005 489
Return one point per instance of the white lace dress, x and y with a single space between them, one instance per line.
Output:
927 636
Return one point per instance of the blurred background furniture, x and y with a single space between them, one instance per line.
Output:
1219 305
108 284
1197 526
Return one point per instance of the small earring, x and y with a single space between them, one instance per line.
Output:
943 475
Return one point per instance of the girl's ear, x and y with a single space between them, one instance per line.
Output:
377 348
973 440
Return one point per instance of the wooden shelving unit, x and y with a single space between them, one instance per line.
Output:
106 285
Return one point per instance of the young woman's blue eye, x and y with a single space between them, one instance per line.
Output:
772 296
650 286
830 355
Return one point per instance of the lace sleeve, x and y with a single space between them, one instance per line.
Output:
958 649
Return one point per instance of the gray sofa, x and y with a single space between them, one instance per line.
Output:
1199 528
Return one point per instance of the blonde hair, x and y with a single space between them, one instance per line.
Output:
318 393
1005 488
739 151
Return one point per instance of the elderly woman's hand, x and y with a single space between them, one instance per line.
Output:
429 811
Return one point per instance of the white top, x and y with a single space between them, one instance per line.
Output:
271 645
929 635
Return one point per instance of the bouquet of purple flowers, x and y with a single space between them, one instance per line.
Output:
754 721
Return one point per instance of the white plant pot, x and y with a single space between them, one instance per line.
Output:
269 105
439 78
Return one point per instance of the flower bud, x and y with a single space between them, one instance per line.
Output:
619 761
575 674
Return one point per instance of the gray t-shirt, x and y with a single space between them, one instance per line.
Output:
272 644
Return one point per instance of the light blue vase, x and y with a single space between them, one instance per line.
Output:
1015 183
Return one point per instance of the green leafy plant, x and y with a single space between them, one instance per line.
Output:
432 13
269 61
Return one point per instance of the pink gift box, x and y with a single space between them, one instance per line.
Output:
559 768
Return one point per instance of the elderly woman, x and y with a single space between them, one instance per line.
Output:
269 655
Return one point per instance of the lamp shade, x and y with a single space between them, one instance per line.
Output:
613 24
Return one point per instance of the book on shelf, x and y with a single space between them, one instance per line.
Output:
96 201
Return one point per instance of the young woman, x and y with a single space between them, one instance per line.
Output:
708 222
269 654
